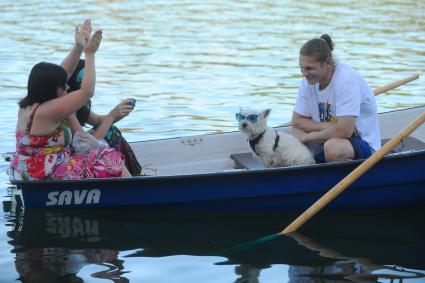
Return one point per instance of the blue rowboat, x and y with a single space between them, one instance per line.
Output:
217 173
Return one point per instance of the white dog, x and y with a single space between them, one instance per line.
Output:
273 148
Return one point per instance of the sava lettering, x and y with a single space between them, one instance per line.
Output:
86 230
73 197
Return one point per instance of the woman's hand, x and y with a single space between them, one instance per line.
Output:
122 109
82 34
94 42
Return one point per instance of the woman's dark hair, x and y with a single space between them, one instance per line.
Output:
74 83
320 48
43 82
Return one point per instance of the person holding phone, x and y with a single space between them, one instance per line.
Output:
103 125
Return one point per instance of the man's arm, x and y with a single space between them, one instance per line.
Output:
306 124
343 129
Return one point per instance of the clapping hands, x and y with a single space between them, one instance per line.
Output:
84 39
94 42
82 34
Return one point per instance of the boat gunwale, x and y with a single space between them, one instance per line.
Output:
275 127
218 173
222 172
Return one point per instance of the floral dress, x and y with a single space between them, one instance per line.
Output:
115 140
50 157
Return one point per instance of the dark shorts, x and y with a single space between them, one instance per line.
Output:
361 148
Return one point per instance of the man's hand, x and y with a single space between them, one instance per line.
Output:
300 135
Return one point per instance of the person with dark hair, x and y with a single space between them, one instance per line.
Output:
103 125
335 107
46 117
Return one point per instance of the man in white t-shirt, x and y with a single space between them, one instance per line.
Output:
335 106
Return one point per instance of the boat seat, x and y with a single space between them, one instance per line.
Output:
246 161
407 144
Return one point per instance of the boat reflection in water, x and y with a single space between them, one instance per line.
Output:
63 264
352 246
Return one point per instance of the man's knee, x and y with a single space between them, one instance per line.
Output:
338 150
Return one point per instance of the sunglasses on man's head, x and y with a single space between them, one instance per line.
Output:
251 118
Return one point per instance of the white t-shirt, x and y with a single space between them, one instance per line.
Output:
347 94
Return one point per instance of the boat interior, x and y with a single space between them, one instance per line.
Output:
230 151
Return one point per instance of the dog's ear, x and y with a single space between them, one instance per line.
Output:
266 113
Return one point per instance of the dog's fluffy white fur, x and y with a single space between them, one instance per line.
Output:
288 151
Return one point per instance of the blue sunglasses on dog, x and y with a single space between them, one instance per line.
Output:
251 118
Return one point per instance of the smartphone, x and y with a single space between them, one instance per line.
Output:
132 103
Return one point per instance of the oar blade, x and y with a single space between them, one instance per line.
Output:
249 245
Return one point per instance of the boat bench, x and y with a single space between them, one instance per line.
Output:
247 161
409 143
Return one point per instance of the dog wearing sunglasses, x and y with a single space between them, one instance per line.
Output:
272 147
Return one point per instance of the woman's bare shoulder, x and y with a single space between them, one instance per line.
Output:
23 118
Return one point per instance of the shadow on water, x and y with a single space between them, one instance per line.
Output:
351 246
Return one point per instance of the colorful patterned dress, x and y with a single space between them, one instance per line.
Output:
115 140
50 157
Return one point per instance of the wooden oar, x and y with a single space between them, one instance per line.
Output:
395 84
335 191
353 176
385 88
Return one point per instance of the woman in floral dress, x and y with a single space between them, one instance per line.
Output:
46 121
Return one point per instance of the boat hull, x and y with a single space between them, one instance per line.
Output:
396 181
